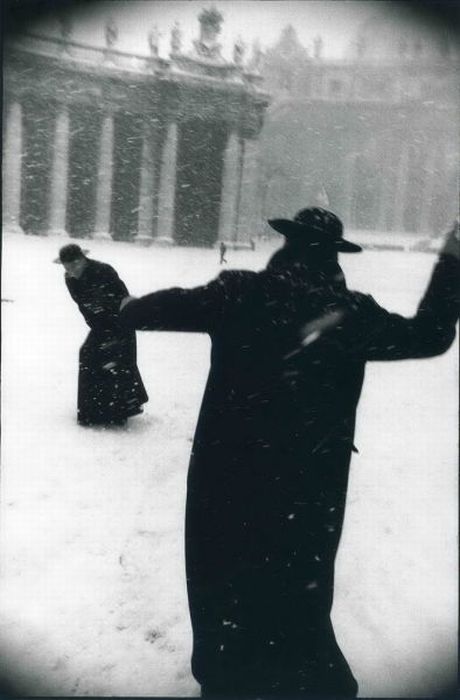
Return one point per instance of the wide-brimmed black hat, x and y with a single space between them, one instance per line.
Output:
315 226
70 252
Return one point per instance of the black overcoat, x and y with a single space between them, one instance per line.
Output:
268 473
110 387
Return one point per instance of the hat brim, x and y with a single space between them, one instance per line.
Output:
292 228
58 260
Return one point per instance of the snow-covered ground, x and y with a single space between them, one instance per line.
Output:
93 598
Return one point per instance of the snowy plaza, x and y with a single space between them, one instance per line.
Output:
171 139
93 596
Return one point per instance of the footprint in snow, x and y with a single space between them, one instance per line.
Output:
151 636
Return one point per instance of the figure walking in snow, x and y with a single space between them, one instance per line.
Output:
269 467
223 250
110 388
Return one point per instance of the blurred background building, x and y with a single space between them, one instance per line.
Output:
195 148
377 132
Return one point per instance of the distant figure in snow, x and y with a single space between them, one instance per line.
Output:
223 250
110 388
322 198
269 467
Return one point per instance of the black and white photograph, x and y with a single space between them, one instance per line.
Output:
230 267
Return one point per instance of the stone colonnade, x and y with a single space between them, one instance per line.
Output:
156 173
11 168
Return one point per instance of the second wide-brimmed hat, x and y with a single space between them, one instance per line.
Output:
69 253
315 227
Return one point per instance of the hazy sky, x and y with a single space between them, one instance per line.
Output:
336 21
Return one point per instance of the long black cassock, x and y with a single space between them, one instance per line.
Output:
269 468
110 388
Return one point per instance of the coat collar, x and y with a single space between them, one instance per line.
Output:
330 275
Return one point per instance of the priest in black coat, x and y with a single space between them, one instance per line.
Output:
269 468
110 388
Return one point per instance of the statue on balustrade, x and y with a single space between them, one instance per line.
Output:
361 46
176 38
239 49
317 47
256 58
154 40
111 33
65 25
207 45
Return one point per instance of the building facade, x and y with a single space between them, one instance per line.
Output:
191 150
377 131
101 143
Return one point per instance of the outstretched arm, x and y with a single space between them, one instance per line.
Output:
176 309
432 330
371 333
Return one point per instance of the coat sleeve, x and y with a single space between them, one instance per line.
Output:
104 306
376 334
196 310
100 305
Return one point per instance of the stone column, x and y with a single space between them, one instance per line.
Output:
104 180
59 173
428 190
146 188
167 188
249 192
11 168
230 189
348 180
384 188
401 185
